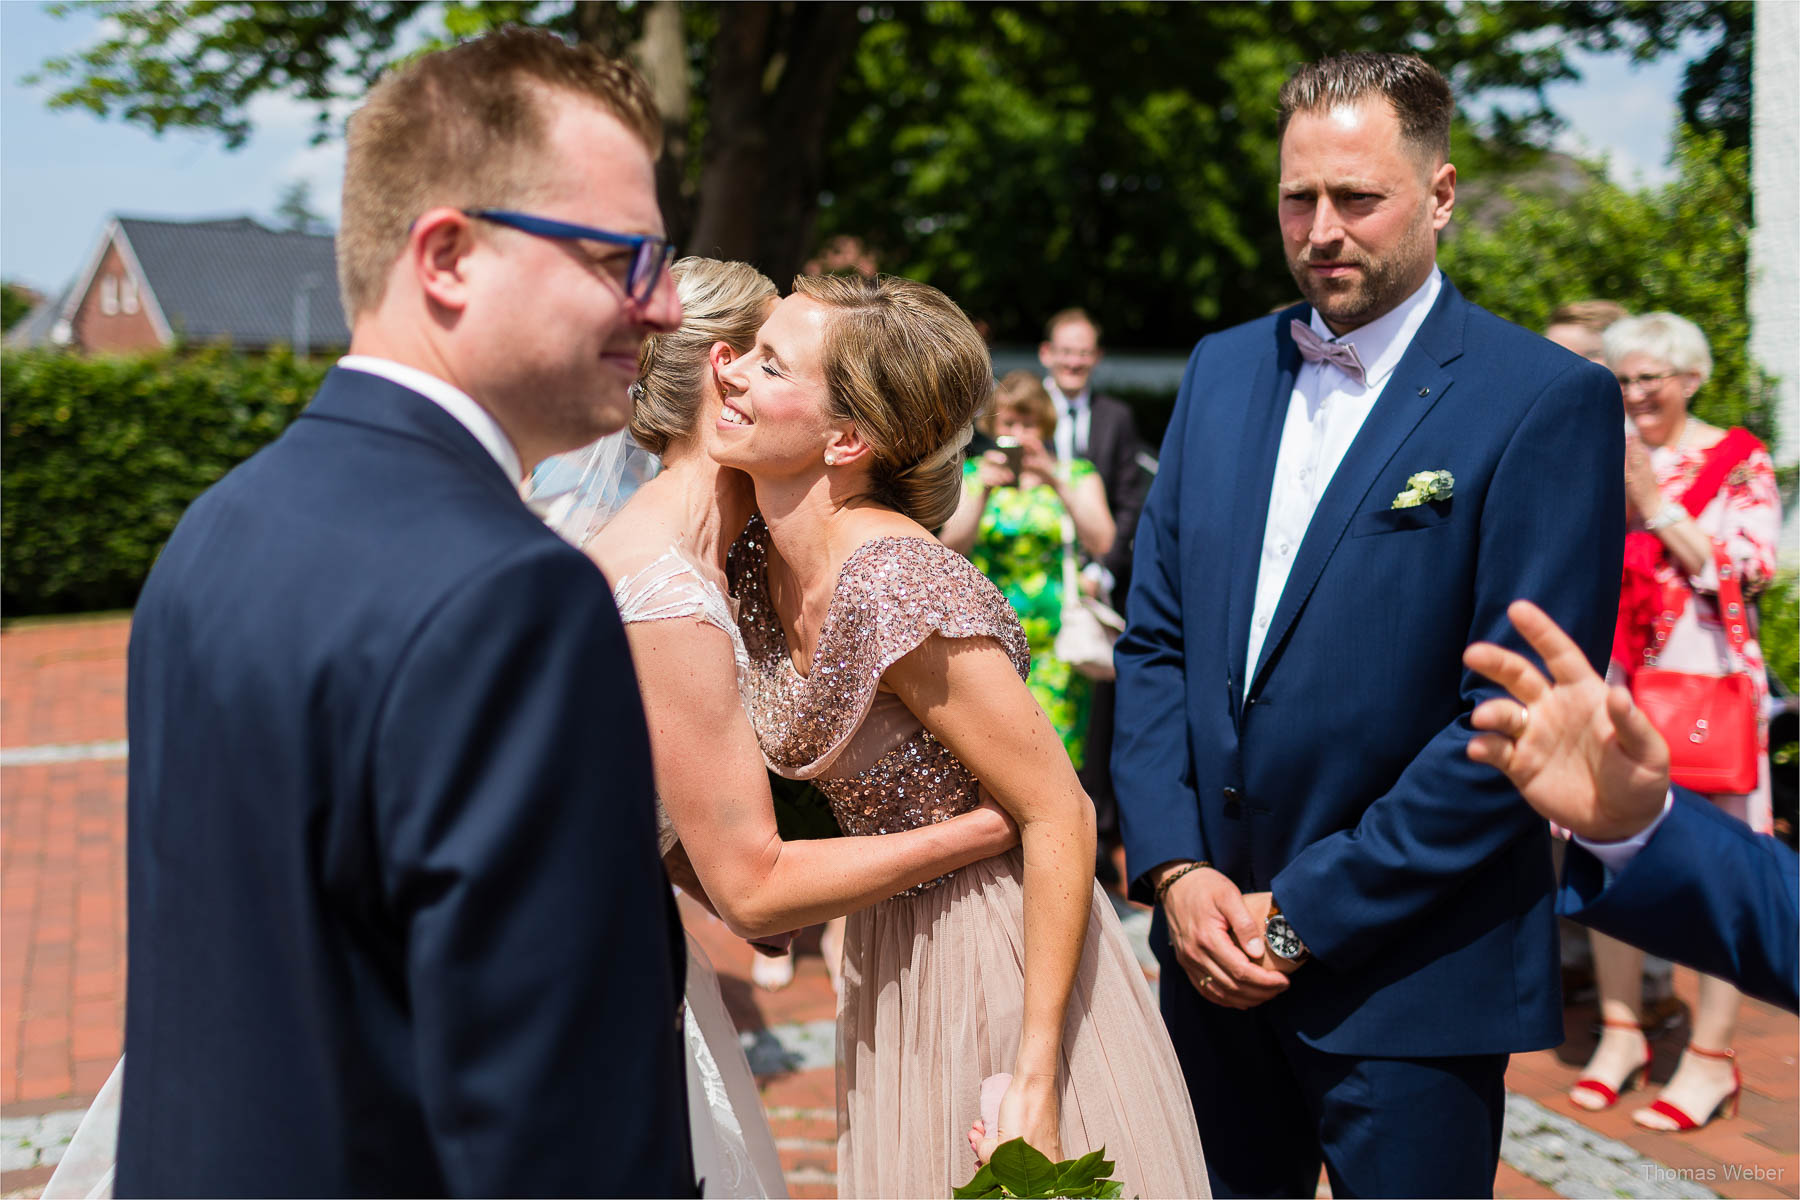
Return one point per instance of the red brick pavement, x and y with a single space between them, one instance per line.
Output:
62 951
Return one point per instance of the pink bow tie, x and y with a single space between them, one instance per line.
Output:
1314 348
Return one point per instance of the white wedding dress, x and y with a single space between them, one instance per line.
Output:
734 1153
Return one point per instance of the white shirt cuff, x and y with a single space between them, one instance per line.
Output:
1615 856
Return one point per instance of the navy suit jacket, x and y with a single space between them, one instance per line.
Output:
397 921
1704 891
1338 779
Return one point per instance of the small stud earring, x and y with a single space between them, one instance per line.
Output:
831 460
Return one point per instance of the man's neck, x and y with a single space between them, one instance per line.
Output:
373 338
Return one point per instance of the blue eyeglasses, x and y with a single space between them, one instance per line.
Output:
650 255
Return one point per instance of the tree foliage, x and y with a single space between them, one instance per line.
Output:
1021 154
14 306
1681 248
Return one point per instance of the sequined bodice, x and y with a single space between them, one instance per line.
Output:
880 768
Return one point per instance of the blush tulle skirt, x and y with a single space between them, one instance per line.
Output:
932 1005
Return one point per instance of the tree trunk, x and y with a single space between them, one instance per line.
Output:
775 68
662 56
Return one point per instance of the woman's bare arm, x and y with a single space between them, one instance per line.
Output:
1086 502
710 775
968 694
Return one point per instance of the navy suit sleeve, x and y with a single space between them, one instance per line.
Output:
1704 891
515 810
1152 762
1551 531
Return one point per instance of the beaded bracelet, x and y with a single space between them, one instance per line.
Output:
1162 889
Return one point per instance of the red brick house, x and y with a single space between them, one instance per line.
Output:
152 283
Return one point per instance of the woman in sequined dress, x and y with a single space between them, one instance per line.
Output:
665 554
883 666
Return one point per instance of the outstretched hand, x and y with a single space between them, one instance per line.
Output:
1580 753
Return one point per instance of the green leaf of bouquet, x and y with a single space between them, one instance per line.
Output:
982 1187
1078 1174
1111 1189
1022 1169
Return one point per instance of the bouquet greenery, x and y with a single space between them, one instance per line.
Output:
1019 1169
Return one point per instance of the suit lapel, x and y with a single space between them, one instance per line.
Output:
1258 447
1413 390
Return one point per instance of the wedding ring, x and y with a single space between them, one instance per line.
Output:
1205 982
1524 721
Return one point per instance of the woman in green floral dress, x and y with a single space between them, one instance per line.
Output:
1010 524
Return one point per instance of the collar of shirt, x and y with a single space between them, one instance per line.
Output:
459 404
1078 403
1382 343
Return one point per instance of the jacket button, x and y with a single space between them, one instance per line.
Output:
1232 795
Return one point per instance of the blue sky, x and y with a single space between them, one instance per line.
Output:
63 174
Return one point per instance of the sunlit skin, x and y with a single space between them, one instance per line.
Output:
1360 208
540 332
1070 355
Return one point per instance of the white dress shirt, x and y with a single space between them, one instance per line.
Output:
1073 416
1616 856
459 404
1324 415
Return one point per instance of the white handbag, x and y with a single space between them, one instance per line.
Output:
1089 628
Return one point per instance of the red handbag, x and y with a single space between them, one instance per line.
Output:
1709 721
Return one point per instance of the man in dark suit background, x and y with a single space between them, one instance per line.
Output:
397 922
1102 430
1355 921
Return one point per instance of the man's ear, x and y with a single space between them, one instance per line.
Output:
1443 195
437 249
1044 355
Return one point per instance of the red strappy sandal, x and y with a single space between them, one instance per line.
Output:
1727 1106
1610 1095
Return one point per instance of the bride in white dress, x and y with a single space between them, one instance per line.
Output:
665 554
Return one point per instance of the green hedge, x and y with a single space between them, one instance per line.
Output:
103 455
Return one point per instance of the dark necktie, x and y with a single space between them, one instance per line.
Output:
1314 348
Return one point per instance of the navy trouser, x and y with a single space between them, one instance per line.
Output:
1271 1108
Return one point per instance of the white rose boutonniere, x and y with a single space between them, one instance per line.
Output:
1425 485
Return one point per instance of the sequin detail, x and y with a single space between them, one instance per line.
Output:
891 595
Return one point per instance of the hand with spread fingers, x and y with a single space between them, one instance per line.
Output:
1580 753
1218 940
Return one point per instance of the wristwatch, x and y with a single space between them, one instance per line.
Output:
1283 942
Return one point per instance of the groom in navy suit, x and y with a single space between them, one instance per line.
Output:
398 926
1355 921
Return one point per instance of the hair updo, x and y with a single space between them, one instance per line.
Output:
720 302
906 366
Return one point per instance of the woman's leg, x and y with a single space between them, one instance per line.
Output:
1623 1050
1707 1074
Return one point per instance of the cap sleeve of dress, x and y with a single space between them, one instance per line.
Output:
891 595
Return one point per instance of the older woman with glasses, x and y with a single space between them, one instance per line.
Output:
1700 499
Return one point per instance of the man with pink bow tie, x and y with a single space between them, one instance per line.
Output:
1355 921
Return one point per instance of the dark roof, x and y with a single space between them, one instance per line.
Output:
236 279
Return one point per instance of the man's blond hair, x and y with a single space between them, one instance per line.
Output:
464 127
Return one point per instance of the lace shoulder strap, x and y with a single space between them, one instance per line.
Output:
671 587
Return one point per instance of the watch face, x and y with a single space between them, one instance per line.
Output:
1283 941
